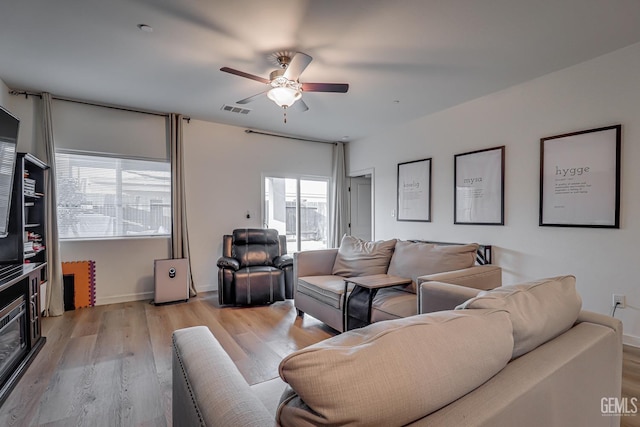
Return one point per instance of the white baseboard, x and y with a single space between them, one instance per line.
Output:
115 299
631 340
209 287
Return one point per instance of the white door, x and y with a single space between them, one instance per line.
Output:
360 202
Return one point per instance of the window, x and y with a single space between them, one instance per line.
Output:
298 208
100 197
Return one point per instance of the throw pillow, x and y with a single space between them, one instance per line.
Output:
539 311
415 259
394 372
357 257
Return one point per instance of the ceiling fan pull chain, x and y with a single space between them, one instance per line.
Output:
285 114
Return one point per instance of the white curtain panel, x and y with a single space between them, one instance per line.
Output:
54 305
340 203
179 234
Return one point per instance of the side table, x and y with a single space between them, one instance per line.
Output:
358 307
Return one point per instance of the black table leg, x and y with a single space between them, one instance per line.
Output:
359 307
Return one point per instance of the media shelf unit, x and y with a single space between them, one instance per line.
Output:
22 280
23 262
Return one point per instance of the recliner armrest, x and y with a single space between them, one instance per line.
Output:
283 261
231 263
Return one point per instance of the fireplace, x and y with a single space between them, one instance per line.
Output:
13 336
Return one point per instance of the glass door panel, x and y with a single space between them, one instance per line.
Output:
297 208
280 208
313 214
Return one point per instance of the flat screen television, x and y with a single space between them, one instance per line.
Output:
9 125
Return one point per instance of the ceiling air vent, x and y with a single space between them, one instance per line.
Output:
232 109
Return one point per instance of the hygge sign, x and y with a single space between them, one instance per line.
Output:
615 406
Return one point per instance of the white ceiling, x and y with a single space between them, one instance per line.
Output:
403 59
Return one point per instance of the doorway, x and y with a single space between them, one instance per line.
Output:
361 206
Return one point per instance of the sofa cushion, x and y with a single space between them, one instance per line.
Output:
327 289
393 303
394 372
539 311
414 259
357 257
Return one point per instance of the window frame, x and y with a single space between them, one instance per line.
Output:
298 178
72 152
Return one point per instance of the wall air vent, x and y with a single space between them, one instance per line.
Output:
232 109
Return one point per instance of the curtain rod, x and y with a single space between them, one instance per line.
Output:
94 104
287 136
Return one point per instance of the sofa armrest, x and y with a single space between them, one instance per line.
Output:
208 389
439 296
314 263
226 262
484 277
601 319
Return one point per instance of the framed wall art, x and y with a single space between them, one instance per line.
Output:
479 187
580 178
414 191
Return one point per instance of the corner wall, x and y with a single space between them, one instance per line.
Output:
596 93
224 169
4 94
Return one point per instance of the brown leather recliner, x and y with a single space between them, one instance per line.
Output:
254 268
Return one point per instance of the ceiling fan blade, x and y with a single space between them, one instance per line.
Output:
325 87
300 106
243 74
298 63
251 98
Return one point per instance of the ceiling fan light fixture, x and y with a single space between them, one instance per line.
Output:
285 88
284 96
284 92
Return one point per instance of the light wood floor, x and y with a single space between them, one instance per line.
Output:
111 365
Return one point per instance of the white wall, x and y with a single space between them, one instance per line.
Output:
4 94
600 92
123 267
25 110
224 168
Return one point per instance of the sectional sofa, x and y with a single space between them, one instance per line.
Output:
319 275
524 356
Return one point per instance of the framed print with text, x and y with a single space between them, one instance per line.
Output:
414 191
479 187
580 178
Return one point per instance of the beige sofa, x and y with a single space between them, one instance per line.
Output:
517 356
319 275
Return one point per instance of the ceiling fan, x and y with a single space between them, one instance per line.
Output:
284 87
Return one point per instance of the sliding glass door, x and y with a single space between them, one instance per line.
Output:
298 207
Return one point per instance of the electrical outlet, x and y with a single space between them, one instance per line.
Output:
620 300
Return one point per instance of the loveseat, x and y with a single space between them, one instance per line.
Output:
319 275
523 356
